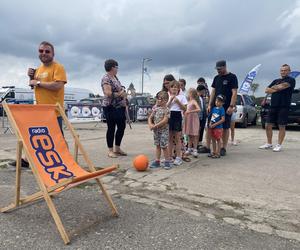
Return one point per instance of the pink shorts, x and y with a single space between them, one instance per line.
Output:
216 133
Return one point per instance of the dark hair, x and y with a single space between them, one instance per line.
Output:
169 78
200 87
109 64
286 65
45 43
201 79
183 81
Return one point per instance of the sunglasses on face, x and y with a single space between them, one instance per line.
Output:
41 51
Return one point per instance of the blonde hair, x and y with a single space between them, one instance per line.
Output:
163 95
175 83
193 93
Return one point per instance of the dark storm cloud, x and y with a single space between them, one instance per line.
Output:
187 35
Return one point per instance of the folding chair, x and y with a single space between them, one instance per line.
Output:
52 164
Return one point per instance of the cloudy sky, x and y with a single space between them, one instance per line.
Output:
183 37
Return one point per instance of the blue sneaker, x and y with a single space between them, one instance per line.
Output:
155 164
168 165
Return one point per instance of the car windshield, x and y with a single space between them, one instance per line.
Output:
2 93
239 100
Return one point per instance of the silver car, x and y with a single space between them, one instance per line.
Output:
246 112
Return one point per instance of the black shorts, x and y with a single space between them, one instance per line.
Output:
278 116
175 121
226 124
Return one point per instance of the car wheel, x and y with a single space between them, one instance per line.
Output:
245 122
254 121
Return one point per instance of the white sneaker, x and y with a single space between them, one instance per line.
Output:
195 153
266 146
234 143
188 151
177 161
277 148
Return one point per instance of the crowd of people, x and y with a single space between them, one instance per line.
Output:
179 118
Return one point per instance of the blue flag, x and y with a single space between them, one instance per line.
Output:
294 74
246 84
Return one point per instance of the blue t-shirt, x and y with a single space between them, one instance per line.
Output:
216 115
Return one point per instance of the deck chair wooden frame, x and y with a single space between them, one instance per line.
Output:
46 192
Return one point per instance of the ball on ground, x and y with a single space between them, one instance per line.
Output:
141 162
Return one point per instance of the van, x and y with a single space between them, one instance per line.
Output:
10 92
76 94
26 95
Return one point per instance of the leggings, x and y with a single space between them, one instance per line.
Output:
114 117
201 128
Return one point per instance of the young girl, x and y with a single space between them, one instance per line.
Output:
158 123
191 122
177 103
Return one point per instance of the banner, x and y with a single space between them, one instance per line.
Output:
294 74
80 112
246 85
140 112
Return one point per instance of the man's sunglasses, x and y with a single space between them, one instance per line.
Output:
41 51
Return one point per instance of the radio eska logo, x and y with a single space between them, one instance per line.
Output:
45 152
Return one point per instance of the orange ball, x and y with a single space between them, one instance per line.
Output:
141 162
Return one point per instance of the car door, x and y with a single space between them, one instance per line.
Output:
250 108
294 111
253 108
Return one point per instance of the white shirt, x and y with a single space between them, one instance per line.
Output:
174 106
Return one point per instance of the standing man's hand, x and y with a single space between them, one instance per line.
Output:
208 109
33 83
229 111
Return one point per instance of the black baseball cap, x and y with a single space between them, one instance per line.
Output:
221 63
222 98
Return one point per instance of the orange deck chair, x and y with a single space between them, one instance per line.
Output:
52 164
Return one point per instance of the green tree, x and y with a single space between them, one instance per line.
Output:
254 87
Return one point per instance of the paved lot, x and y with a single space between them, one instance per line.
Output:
249 188
90 225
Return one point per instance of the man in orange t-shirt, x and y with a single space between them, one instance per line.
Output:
48 79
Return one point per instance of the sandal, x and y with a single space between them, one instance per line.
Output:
121 153
112 154
215 156
186 159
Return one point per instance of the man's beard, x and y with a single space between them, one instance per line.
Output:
46 59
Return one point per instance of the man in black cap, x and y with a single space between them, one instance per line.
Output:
225 83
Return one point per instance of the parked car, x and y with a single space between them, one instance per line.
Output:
294 111
246 111
139 108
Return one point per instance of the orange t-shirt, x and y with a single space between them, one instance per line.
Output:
52 73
